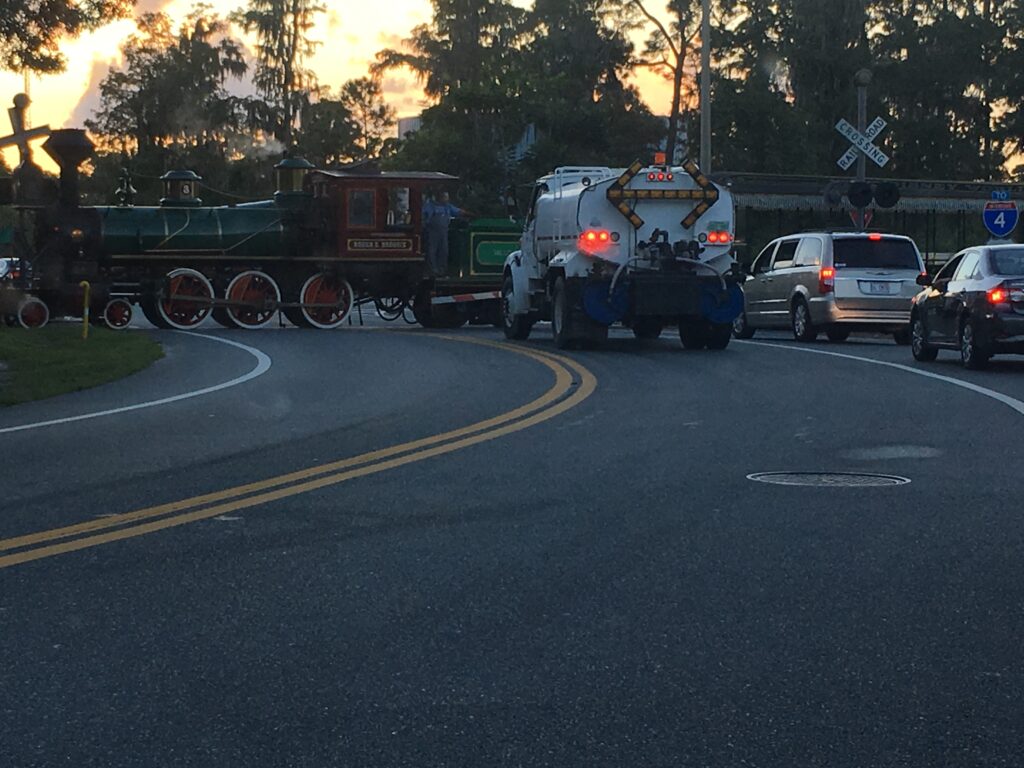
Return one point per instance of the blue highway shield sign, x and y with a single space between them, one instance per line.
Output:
1001 217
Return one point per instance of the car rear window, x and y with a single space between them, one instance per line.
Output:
857 253
1008 262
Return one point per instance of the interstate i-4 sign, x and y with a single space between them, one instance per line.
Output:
1001 217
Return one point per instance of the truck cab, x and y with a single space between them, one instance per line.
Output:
648 246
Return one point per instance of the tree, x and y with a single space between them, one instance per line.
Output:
669 49
282 46
329 134
171 88
369 112
168 107
469 59
31 30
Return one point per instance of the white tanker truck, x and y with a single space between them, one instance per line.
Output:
646 246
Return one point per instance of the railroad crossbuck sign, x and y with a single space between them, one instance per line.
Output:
862 143
1000 217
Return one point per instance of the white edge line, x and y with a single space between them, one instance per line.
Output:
1012 402
263 363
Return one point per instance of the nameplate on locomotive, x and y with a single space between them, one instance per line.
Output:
380 245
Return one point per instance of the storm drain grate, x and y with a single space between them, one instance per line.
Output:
829 479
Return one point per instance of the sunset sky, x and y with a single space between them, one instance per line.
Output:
351 31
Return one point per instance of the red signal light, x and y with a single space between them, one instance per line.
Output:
712 237
826 280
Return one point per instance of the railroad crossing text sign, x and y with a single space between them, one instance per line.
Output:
1000 217
862 143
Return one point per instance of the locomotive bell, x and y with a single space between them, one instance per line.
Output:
180 189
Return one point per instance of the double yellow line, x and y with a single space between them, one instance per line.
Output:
573 384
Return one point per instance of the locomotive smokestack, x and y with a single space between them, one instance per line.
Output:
69 148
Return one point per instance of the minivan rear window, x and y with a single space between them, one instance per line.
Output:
857 253
1008 262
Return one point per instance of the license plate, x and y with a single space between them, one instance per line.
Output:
879 289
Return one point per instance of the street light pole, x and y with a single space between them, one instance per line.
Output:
705 89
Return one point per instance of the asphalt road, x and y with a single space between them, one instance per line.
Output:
591 580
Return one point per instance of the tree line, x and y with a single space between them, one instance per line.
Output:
948 75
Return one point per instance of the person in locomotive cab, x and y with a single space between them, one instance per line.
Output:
437 215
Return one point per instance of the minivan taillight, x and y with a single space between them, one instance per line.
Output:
826 280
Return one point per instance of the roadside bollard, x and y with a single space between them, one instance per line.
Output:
85 310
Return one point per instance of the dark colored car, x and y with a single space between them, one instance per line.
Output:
975 304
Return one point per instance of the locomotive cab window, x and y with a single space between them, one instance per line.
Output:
399 210
360 208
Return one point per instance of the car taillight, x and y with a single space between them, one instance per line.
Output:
594 240
998 295
826 280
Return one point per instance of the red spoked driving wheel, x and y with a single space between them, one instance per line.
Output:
255 297
117 314
33 313
326 300
188 300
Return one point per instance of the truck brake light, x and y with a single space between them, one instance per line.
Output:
594 240
719 238
826 280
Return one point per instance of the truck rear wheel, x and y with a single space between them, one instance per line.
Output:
647 328
693 334
561 316
516 327
719 335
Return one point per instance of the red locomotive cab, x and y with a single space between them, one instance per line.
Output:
374 215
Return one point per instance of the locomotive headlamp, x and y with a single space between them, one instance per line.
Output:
77 235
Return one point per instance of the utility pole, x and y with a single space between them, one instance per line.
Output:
705 89
862 79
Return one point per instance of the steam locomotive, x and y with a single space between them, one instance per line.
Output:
326 239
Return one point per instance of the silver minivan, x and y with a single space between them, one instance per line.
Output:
836 282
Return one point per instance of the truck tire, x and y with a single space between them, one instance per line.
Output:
719 336
516 327
561 316
647 328
693 333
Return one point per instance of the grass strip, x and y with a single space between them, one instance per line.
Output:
53 360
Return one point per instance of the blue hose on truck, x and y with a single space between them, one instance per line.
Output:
720 309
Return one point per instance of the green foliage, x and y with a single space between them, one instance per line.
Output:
171 91
55 359
31 31
494 69
282 46
370 115
168 107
